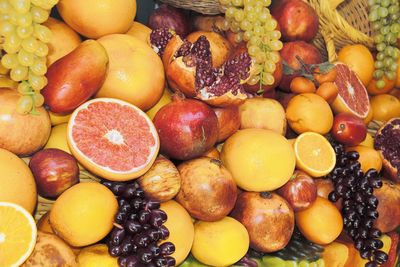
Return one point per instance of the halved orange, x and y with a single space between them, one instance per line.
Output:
17 234
113 139
314 154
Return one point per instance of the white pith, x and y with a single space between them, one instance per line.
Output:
114 135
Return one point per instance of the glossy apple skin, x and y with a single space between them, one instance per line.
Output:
348 129
268 218
300 191
297 20
187 128
54 170
228 121
76 77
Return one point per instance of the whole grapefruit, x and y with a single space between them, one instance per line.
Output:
135 72
96 18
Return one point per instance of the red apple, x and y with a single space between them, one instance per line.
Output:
228 121
348 129
300 191
187 128
308 53
54 170
297 20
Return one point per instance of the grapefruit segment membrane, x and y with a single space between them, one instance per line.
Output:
113 139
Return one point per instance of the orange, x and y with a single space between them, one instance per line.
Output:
140 31
314 154
369 158
328 91
113 139
135 71
368 141
321 222
301 85
359 59
328 76
17 234
63 40
385 107
181 229
96 18
84 214
309 112
17 184
43 224
374 90
165 99
258 159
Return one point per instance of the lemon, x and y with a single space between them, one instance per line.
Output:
165 99
96 256
220 243
58 138
57 119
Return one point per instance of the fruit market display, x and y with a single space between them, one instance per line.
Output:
196 140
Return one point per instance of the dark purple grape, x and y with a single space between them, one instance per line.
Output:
145 255
371 264
375 244
139 193
107 183
133 216
363 183
164 232
333 196
365 187
354 155
376 183
354 166
125 208
342 161
141 240
352 215
133 227
152 204
337 171
156 220
117 236
161 262
341 189
353 232
363 232
350 181
122 261
357 223
162 214
373 214
127 246
360 209
372 173
380 257
348 194
369 223
358 197
359 244
170 261
374 233
358 174
122 201
365 254
346 172
132 261
120 217
151 264
154 235
155 250
115 251
118 188
369 191
167 248
129 191
137 203
144 216
146 226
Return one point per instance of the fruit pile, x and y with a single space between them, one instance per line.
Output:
196 140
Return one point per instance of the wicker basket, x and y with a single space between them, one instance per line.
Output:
342 22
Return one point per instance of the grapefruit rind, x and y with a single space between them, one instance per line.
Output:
31 222
339 105
103 171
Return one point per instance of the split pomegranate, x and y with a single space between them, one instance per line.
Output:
187 128
189 69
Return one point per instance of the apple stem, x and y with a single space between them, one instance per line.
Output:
216 161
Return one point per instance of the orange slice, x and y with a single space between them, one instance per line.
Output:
113 139
17 234
314 154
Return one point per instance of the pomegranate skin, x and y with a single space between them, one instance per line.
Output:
170 17
187 128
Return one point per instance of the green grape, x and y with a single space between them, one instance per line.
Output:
385 3
248 2
254 50
267 79
389 50
19 73
254 40
251 16
266 2
260 57
258 9
6 28
391 75
230 12
42 33
247 35
379 64
42 50
239 15
276 35
257 23
276 45
37 82
38 99
264 17
256 69
25 58
376 26
9 61
225 25
237 3
258 30
395 16
39 15
385 30
380 84
30 44
235 26
269 66
380 47
373 16
265 40
21 6
5 6
371 2
24 32
248 8
245 25
393 9
47 4
24 88
378 74
258 4
379 38
387 62
391 38
395 28
24 104
24 20
393 67
274 56
380 56
12 43
254 80
238 37
271 25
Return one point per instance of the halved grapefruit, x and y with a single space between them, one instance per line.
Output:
113 139
352 97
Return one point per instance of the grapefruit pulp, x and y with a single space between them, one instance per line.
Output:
352 97
113 139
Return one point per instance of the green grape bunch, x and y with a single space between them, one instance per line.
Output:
24 43
252 22
384 16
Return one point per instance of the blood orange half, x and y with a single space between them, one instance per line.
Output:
352 97
113 139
